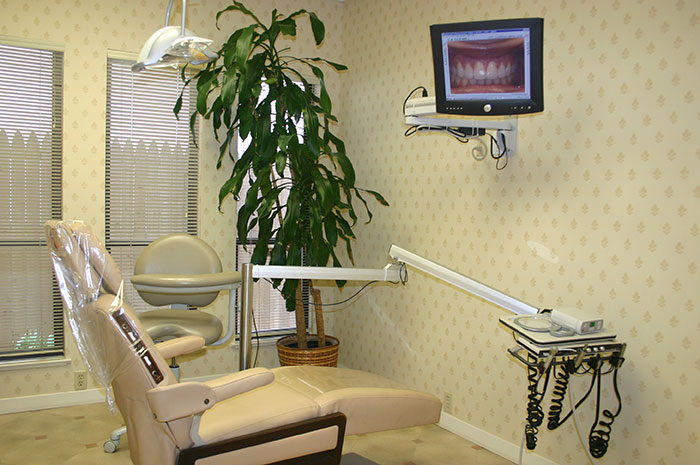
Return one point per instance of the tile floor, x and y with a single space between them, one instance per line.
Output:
74 436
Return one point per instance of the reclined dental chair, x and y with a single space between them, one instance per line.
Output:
283 416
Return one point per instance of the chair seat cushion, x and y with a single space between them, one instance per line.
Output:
266 407
370 402
166 324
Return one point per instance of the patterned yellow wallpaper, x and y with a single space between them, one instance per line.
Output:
598 210
88 31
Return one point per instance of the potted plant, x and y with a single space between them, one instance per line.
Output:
302 183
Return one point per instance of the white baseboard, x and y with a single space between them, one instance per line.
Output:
63 399
490 441
55 400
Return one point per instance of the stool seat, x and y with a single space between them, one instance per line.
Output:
167 323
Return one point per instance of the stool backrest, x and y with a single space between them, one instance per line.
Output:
178 254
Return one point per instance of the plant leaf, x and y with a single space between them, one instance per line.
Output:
380 198
243 45
237 6
336 66
346 167
288 26
283 141
325 99
330 227
317 27
178 106
229 83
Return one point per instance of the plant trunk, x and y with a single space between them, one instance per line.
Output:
300 319
318 311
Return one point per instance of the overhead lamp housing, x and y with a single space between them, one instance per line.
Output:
172 46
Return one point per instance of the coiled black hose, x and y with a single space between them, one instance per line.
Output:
598 439
556 407
561 384
535 414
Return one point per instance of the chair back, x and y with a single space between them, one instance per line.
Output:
119 353
178 254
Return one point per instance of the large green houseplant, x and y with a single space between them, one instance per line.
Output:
302 183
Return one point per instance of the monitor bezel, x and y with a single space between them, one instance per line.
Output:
485 106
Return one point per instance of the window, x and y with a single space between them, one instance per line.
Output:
31 93
269 311
151 173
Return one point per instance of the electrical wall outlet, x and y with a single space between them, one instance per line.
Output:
80 380
447 402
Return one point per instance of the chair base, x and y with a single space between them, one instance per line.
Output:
111 444
327 457
354 459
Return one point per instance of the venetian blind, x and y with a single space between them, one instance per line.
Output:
151 170
31 93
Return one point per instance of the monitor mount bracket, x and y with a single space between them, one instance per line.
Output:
420 112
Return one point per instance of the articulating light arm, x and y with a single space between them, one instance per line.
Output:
461 281
392 272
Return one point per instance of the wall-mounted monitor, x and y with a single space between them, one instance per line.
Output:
488 67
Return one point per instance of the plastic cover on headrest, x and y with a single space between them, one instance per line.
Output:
84 271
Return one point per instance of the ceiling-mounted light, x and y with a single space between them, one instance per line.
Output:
174 46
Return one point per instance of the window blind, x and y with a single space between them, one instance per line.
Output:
151 169
31 102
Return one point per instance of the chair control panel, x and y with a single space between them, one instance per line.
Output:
137 346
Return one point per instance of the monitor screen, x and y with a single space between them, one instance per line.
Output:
488 67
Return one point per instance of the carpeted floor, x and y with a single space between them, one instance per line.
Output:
74 436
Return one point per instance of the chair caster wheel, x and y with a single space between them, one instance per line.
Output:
110 446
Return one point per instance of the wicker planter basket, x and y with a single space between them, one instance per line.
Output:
290 355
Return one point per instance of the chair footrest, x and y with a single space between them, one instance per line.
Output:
264 444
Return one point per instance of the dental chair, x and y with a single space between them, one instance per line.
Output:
283 416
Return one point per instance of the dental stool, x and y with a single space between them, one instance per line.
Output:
283 416
183 272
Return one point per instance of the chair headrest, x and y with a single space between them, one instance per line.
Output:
75 245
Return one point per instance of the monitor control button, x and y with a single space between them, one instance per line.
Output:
487 107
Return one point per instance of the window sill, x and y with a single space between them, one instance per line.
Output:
262 341
34 363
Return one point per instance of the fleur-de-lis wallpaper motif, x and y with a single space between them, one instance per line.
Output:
598 210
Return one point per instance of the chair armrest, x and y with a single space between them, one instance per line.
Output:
186 281
180 346
231 385
190 398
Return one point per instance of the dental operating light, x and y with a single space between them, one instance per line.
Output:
173 46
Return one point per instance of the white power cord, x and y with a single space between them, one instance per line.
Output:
522 449
578 429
